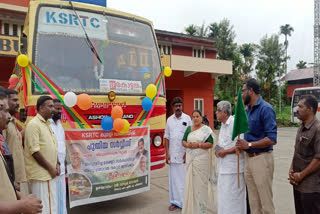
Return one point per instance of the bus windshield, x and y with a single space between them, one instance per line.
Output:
298 93
127 49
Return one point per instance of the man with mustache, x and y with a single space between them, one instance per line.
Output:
176 153
11 200
40 156
13 138
59 132
258 145
304 173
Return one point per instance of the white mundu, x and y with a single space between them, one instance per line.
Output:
174 132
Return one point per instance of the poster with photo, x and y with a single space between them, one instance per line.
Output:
107 165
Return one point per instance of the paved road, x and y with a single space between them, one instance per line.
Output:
156 201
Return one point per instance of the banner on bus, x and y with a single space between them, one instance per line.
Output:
107 165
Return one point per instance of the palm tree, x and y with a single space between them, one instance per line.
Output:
202 30
286 31
301 64
191 30
247 51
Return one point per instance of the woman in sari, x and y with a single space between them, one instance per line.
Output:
200 183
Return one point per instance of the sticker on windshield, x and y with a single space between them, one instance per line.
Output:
66 21
120 85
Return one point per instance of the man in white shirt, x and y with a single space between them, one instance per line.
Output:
59 132
231 199
176 153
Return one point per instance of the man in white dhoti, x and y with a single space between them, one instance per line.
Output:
231 199
40 155
175 153
61 179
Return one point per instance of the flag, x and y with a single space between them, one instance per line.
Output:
240 124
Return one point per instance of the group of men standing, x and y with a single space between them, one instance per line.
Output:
257 161
35 165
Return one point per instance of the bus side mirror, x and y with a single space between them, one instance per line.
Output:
23 45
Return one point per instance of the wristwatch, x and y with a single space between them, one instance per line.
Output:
250 145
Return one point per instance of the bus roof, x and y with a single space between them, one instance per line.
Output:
306 88
35 3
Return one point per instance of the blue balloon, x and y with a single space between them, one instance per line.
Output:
144 70
146 104
107 123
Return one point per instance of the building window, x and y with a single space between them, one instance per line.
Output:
6 27
197 52
15 30
198 104
165 49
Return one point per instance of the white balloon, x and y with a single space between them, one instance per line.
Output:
70 99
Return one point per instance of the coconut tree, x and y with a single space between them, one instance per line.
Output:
191 30
301 64
286 31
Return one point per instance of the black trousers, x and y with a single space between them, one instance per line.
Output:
306 203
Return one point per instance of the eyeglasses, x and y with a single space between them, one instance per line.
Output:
245 89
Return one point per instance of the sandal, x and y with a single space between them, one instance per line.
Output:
173 207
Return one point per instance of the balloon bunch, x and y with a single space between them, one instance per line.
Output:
151 91
82 100
115 121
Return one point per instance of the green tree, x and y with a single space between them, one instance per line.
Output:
301 64
247 51
269 65
191 30
227 86
286 31
202 30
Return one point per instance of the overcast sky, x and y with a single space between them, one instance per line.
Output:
252 19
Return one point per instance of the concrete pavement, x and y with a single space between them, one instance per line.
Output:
156 201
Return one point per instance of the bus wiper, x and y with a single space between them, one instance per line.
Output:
88 41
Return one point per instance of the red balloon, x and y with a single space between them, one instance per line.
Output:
13 81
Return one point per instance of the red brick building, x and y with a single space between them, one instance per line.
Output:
194 69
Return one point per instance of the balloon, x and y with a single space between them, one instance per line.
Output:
118 124
146 75
14 75
84 101
144 70
70 99
146 104
167 71
107 123
151 91
126 126
13 81
116 112
23 60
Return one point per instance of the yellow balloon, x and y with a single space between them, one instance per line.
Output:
146 76
126 126
23 60
151 91
167 71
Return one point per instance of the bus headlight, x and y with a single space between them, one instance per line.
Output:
157 141
111 96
